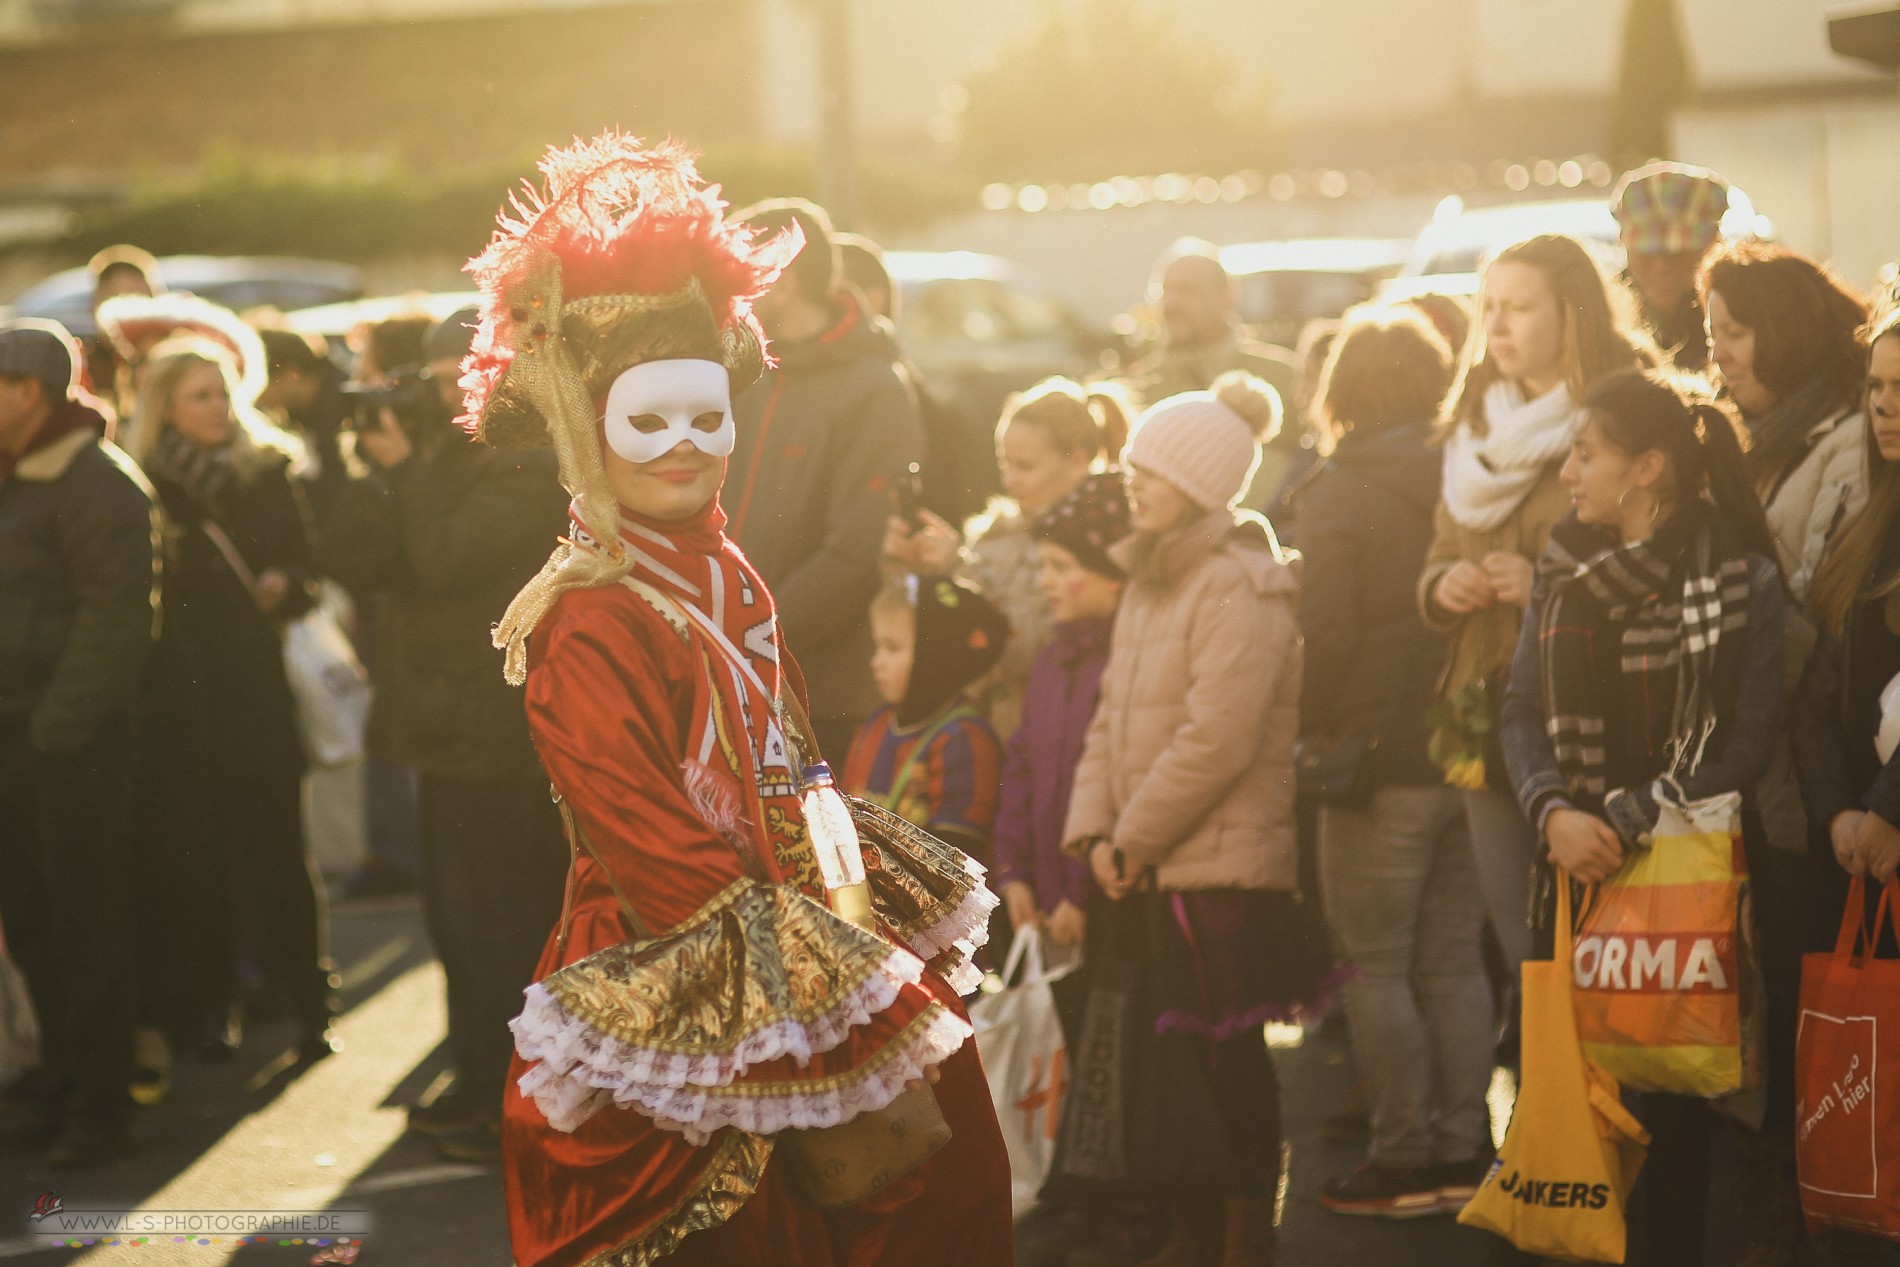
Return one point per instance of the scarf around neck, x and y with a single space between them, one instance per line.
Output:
1779 436
206 474
1487 477
1671 603
738 769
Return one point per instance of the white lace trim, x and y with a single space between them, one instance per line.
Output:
564 1102
699 1113
569 1047
967 927
961 975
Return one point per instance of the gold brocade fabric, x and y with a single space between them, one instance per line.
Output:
917 881
729 1181
753 957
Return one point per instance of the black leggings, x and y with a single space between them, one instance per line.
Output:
1209 1120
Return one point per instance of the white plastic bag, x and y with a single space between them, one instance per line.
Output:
1020 1039
19 1027
1889 737
329 685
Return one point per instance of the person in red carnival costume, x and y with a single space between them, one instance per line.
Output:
699 1006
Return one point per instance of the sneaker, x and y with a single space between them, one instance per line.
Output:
477 1143
1458 1182
447 1112
1372 1189
84 1144
151 1067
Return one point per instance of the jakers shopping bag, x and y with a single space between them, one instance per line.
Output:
1571 1155
1665 966
1020 1039
1847 1077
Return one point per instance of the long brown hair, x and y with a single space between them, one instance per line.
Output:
1600 329
1846 574
1807 325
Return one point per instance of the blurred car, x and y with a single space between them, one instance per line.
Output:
236 281
1452 249
979 327
336 321
1284 285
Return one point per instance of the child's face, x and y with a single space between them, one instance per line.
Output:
1072 591
895 635
1156 506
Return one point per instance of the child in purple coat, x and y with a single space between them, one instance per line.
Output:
1040 884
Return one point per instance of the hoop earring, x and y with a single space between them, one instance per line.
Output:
1655 505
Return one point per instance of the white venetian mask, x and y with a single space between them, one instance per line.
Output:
652 407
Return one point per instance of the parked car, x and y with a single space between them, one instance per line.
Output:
1451 250
336 321
979 327
1283 285
236 281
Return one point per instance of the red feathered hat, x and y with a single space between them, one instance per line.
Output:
623 256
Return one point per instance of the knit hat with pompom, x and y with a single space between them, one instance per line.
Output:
1207 444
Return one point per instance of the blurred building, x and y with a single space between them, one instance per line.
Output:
1357 86
151 85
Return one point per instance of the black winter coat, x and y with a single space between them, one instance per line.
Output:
445 541
1836 718
222 666
1371 664
821 440
79 585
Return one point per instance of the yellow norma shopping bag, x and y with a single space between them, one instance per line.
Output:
1664 958
1572 1152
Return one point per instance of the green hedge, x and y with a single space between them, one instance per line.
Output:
362 211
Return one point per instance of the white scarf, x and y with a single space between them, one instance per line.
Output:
1487 477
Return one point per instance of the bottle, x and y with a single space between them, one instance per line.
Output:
835 839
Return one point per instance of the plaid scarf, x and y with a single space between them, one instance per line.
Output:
1665 606
206 474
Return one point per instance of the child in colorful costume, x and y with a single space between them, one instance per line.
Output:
928 755
698 1001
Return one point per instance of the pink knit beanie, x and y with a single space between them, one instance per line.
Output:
1207 444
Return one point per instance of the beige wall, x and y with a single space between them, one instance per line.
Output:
1326 60
1826 173
1759 43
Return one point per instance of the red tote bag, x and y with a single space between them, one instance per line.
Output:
1847 1077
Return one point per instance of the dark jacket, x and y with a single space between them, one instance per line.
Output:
224 659
444 541
1039 765
1372 664
79 583
1747 727
1836 717
821 439
326 474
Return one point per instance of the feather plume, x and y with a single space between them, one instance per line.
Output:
623 219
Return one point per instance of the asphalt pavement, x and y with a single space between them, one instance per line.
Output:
259 1132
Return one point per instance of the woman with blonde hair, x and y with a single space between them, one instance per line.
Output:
239 563
1548 327
1050 439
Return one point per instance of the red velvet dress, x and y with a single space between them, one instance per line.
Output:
667 1082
